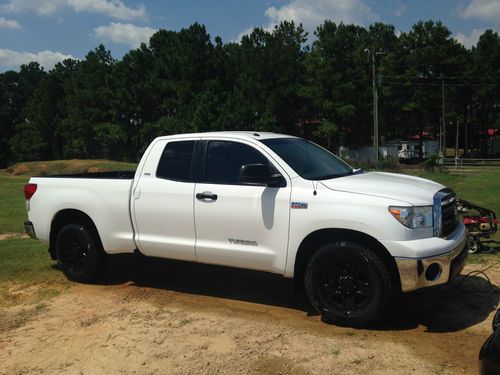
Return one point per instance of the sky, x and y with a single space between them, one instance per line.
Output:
49 31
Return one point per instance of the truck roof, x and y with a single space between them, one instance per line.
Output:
257 135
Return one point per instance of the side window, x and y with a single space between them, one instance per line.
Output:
175 161
224 161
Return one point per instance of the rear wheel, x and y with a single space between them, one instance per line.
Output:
348 284
79 252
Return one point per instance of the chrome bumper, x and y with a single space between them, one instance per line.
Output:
431 271
30 229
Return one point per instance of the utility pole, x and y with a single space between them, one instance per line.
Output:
444 119
375 106
456 141
375 111
466 147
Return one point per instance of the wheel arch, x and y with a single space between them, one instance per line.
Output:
313 242
69 216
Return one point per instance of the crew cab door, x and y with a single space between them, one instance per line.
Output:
162 201
238 224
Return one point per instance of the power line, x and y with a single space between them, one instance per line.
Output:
491 78
438 84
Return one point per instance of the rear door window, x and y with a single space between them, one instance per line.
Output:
176 161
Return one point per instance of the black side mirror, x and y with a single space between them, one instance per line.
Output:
260 175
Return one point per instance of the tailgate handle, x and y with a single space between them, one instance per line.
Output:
206 195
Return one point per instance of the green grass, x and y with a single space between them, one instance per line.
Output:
27 261
12 204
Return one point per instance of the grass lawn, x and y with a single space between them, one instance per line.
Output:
27 261
12 203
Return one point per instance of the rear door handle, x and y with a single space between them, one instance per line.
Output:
206 195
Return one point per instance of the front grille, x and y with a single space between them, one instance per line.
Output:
448 214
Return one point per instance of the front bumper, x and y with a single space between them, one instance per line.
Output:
422 272
30 229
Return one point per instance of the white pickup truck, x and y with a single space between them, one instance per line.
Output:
260 201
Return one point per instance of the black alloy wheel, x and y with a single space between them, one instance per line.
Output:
79 253
348 284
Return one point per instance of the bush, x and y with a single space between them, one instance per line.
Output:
389 164
431 163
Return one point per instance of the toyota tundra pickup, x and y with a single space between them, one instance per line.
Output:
261 201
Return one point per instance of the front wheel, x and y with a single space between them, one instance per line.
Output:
79 253
348 284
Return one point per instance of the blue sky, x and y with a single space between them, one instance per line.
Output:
51 30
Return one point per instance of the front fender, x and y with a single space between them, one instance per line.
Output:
339 210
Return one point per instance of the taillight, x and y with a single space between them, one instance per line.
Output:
29 190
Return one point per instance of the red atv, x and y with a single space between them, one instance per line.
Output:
481 223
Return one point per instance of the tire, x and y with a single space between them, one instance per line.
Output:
348 284
79 252
474 246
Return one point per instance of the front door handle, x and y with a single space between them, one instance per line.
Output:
206 195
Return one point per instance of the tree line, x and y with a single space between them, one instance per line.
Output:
280 80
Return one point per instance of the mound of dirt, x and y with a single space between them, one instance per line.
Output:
44 168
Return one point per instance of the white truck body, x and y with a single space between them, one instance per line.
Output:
247 226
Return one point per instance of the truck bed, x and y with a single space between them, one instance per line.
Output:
103 196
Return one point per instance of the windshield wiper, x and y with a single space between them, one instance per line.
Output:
337 175
328 176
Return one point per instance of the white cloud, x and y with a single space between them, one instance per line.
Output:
471 39
124 33
47 59
312 13
111 8
243 33
487 10
9 24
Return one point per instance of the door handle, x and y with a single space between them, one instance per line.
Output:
206 195
137 192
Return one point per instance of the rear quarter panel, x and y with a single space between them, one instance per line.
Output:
105 201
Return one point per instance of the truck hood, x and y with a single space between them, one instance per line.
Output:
412 190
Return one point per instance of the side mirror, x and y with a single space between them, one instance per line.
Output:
260 175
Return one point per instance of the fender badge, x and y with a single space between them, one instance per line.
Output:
299 205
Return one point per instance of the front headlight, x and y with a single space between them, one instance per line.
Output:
413 217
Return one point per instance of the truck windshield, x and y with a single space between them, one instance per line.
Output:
309 160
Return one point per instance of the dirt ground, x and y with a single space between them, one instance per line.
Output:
166 317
